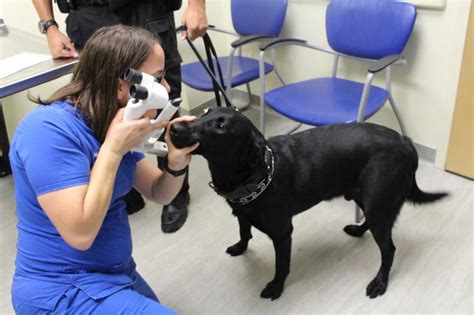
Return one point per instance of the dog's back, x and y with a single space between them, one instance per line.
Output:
346 159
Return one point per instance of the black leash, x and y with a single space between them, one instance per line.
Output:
209 67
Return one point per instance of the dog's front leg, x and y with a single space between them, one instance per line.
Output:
274 288
245 235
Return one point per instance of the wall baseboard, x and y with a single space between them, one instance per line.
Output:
425 153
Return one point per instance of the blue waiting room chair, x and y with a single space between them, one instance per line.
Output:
253 21
371 31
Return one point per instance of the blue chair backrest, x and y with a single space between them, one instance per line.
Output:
251 17
369 28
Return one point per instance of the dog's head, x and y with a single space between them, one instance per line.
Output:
221 132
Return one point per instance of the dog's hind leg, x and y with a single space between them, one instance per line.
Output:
383 238
245 235
356 230
384 185
353 229
380 224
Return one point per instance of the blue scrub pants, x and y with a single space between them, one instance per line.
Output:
136 299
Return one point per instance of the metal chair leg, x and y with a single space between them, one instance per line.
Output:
388 84
249 97
397 114
242 107
294 129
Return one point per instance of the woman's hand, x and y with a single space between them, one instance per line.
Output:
160 186
179 158
123 136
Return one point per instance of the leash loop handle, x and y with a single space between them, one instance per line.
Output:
209 67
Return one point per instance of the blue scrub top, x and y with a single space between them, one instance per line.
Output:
53 148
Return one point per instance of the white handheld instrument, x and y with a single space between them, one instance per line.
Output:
146 93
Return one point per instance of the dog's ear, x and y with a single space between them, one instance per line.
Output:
234 108
254 154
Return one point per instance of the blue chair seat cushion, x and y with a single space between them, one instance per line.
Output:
324 101
244 70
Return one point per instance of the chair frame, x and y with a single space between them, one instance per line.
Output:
237 45
374 66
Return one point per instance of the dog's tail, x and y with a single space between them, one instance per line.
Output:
416 195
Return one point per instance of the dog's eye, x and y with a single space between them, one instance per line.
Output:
220 123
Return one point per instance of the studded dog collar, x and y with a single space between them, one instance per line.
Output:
260 188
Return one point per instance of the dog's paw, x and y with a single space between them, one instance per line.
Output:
237 249
272 291
376 287
354 230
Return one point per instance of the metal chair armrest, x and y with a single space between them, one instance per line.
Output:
295 42
282 42
249 39
384 62
220 30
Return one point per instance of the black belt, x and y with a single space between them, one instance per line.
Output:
67 5
90 3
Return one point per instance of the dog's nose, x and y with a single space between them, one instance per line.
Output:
177 128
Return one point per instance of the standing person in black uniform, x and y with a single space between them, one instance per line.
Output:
86 16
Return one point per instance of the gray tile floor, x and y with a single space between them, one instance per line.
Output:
190 272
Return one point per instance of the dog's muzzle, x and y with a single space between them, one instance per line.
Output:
183 135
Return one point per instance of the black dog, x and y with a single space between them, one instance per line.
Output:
267 182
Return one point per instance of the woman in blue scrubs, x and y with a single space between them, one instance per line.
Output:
72 164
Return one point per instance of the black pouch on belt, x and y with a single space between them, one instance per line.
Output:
65 5
173 5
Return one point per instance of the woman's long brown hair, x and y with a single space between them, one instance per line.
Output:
104 59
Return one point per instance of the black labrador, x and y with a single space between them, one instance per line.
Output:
267 182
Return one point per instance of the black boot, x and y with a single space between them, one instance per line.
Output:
134 201
174 215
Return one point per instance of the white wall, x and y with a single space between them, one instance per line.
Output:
425 89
